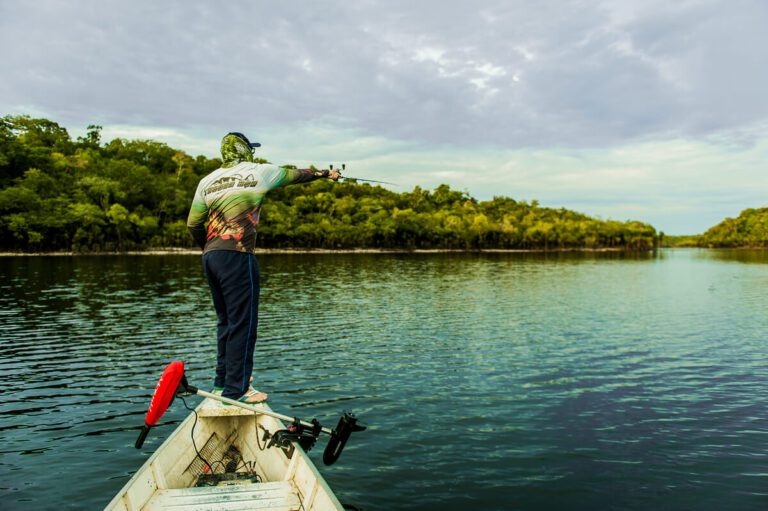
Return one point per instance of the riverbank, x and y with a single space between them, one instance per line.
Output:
188 251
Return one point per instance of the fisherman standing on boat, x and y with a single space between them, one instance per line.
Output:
229 200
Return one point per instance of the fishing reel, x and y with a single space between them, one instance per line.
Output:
355 179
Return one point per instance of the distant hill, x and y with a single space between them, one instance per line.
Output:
85 195
749 229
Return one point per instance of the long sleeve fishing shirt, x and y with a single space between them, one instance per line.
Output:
229 200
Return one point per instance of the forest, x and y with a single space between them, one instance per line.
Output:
749 229
86 195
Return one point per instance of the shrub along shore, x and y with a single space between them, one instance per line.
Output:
748 230
299 251
79 196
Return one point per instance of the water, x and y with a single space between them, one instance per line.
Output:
498 381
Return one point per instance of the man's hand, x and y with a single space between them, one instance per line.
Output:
334 174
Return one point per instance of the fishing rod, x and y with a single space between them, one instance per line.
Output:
173 382
344 167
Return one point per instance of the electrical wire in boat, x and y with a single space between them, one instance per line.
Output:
250 466
193 436
258 443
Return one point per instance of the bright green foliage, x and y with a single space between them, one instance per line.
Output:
346 215
60 194
750 229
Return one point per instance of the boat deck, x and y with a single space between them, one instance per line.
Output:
275 496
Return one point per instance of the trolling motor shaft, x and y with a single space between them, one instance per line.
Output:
194 390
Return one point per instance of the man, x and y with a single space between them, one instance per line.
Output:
229 200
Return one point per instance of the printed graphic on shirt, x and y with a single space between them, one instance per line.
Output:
227 182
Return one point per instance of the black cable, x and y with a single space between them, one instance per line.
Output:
193 435
258 443
248 465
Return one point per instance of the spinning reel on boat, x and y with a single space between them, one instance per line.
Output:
173 382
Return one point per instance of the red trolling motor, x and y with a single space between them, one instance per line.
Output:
173 382
166 390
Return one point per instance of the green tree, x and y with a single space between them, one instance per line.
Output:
56 193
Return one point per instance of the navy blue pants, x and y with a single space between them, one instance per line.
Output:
234 281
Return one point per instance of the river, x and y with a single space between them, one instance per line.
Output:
488 381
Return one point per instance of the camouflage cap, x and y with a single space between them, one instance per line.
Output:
236 148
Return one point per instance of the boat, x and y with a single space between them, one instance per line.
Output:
229 458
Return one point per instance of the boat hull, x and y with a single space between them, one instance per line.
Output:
287 478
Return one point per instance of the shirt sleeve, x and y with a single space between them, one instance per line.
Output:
198 215
294 176
284 176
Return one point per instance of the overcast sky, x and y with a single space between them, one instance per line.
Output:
648 110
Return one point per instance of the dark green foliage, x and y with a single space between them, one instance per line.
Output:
59 194
679 241
750 229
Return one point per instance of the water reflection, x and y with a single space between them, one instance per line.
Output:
740 255
495 380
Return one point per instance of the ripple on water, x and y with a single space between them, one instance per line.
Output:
493 381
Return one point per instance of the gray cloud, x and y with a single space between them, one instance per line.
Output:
509 74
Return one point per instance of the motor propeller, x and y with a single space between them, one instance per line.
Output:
344 429
173 382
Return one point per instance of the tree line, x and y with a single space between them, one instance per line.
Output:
57 193
749 229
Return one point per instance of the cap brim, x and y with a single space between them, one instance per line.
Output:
255 144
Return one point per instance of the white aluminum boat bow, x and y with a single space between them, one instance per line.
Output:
226 435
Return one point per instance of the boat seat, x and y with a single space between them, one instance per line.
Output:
274 496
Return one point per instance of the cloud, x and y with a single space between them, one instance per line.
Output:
511 74
617 108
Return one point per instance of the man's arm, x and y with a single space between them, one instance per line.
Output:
198 214
295 176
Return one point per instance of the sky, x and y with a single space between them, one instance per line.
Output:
630 110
